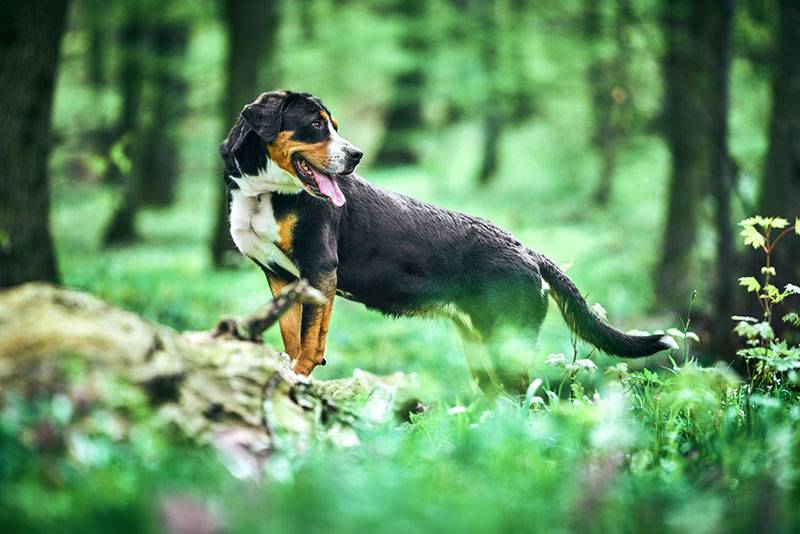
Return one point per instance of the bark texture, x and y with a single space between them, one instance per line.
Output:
686 123
30 39
610 87
780 188
722 175
159 164
121 228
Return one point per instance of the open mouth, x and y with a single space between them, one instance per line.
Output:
316 182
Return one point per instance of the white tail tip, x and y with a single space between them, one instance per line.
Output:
668 342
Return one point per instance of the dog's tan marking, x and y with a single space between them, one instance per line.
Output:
289 322
314 336
335 124
312 350
286 233
283 147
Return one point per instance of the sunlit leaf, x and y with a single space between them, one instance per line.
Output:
768 270
764 330
756 220
778 222
674 332
792 318
750 283
752 237
772 292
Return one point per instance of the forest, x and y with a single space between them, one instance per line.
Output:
650 148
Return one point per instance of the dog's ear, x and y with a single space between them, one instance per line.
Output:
264 115
259 122
235 139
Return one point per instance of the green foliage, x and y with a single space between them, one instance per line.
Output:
773 359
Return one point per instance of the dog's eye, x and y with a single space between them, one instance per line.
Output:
317 124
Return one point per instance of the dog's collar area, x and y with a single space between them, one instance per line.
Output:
271 179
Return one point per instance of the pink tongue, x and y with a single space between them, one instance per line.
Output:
329 188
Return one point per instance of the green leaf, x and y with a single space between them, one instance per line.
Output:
757 220
764 330
752 237
694 337
797 226
792 318
792 289
750 283
768 270
772 292
778 222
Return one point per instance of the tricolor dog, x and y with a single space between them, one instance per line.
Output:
299 210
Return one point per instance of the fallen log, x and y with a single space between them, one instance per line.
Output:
215 387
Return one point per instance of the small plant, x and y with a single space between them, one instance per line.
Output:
772 358
572 369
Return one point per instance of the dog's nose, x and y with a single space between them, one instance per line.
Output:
355 154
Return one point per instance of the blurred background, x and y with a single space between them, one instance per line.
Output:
622 138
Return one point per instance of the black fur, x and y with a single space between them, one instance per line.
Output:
401 256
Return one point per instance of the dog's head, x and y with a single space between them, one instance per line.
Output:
298 134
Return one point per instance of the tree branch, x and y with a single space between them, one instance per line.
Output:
254 325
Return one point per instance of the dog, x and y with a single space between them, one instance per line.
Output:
298 210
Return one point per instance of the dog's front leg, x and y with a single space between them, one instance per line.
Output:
289 321
314 326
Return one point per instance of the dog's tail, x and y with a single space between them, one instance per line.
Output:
591 328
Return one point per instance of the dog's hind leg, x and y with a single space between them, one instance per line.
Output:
480 364
505 314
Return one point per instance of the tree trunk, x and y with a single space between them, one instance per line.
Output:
121 229
780 187
31 38
238 395
609 84
493 108
94 21
159 166
252 27
404 116
95 56
686 118
721 18
491 148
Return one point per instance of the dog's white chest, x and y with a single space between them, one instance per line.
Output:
255 231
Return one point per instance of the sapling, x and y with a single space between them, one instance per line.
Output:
772 357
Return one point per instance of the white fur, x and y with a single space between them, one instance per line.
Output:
337 151
273 179
669 342
253 226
